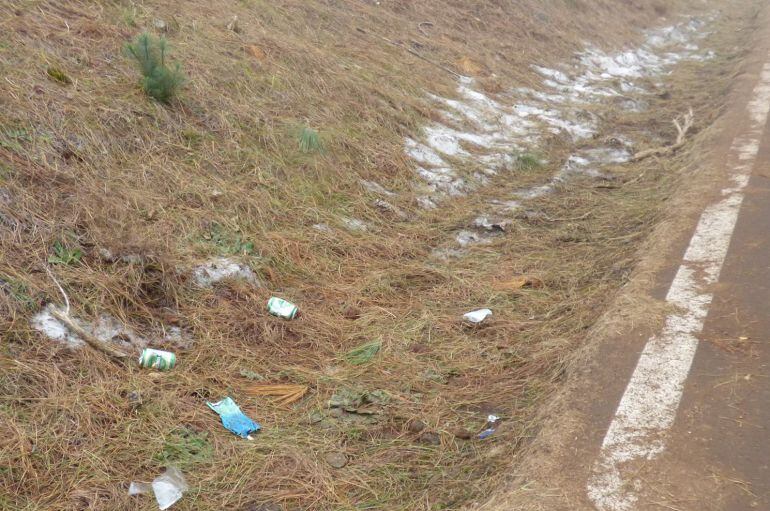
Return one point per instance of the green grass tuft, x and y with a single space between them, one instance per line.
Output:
184 447
18 291
159 81
58 75
228 243
364 353
309 140
526 162
62 254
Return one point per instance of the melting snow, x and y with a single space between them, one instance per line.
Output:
221 268
492 129
106 329
354 224
375 187
483 133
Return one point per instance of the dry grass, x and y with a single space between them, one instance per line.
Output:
96 165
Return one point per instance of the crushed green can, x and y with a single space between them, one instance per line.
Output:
157 359
282 308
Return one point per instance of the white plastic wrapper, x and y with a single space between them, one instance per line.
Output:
477 316
167 487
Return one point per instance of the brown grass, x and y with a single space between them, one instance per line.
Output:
97 164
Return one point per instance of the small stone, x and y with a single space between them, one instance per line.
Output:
416 426
134 398
336 412
160 25
336 459
352 312
106 255
461 433
429 438
132 259
6 197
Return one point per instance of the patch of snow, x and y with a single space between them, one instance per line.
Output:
375 187
553 74
426 202
221 268
482 131
497 225
606 155
446 253
445 140
323 228
422 153
508 206
354 224
106 328
177 337
466 238
443 179
54 329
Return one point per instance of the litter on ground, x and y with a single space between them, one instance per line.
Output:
233 418
157 359
477 316
167 487
282 308
490 427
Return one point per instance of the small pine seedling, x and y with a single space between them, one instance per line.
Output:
159 81
309 140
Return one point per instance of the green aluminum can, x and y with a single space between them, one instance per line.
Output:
282 308
157 359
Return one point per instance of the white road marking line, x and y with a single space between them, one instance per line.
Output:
651 399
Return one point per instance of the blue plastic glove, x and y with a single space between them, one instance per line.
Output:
233 418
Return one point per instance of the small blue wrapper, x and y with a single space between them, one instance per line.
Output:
486 433
233 418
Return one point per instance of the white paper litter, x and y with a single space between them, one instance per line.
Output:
477 316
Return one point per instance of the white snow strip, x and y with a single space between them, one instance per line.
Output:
481 132
651 399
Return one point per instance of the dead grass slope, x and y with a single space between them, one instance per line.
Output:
96 165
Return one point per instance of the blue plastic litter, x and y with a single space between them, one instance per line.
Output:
491 421
233 418
487 432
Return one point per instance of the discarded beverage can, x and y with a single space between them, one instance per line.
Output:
281 308
157 359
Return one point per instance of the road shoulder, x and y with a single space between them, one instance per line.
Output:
561 460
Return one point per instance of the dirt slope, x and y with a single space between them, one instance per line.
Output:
121 197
